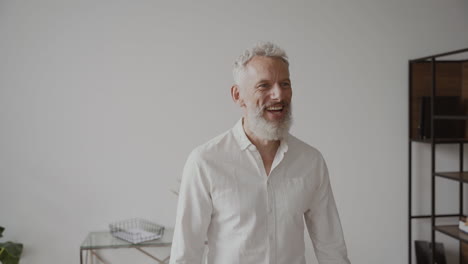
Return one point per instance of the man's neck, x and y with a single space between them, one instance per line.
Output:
267 148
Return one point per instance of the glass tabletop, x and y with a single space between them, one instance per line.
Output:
104 239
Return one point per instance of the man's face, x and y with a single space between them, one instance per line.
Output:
265 85
264 92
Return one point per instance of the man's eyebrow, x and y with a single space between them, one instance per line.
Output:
262 81
265 80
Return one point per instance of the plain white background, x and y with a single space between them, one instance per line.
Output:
101 101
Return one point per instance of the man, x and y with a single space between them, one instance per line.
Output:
248 191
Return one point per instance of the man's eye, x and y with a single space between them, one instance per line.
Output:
262 85
286 84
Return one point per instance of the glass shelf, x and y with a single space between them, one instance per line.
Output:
104 239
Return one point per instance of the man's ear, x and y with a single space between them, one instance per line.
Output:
235 94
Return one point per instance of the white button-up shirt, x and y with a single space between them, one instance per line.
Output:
249 217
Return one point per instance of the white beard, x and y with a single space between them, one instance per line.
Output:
265 129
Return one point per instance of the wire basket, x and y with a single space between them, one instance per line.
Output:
136 230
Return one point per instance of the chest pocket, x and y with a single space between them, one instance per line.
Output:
292 197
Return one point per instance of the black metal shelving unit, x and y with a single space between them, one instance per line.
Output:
430 66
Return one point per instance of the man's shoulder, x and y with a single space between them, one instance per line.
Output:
304 149
219 145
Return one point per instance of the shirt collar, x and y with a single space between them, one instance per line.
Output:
244 141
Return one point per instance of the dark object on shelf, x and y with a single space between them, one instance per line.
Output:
444 106
424 254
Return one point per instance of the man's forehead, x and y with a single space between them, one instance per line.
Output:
261 67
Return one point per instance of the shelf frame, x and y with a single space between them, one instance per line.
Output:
439 141
445 54
437 216
433 157
451 117
461 176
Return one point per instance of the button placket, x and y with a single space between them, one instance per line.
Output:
271 219
270 210
270 197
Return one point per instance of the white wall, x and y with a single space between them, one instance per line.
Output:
101 101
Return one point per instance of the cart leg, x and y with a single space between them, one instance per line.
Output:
160 261
99 257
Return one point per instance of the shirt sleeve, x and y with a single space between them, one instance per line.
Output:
193 215
323 223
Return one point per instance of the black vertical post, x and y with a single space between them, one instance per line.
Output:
433 94
461 197
410 251
461 178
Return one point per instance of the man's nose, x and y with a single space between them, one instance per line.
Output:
277 92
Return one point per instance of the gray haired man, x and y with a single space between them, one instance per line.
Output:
248 191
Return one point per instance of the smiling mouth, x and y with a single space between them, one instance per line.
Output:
275 108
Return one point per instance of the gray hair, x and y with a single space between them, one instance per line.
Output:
266 49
